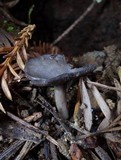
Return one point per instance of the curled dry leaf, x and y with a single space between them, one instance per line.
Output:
87 109
5 87
20 61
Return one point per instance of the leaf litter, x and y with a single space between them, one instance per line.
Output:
74 138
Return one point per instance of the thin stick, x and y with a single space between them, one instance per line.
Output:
104 86
6 13
68 30
11 149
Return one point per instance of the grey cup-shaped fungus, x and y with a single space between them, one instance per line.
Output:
53 70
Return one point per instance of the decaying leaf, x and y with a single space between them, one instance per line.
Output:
87 109
76 112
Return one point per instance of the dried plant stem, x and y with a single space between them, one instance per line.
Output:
68 30
27 146
103 86
11 150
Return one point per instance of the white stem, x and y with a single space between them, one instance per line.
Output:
60 100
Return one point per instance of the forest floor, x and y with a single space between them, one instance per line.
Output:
30 126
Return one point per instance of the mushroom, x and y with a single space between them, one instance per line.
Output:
53 70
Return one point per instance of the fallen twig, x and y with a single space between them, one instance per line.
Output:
103 86
68 30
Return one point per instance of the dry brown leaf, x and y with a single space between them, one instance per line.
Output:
2 69
2 108
87 109
5 87
76 111
20 61
5 49
13 72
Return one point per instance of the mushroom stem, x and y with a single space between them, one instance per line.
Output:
60 100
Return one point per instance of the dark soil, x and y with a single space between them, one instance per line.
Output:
99 29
